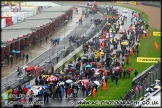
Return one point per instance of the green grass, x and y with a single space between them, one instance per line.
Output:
146 49
67 62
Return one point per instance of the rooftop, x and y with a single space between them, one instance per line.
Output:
12 34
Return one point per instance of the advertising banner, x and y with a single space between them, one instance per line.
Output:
120 2
156 33
148 60
132 2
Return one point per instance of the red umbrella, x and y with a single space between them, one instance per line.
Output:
84 81
38 68
29 68
101 70
53 78
48 79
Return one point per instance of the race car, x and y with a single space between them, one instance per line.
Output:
89 4
35 89
125 10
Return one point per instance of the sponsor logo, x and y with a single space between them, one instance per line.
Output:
148 60
132 2
156 33
120 2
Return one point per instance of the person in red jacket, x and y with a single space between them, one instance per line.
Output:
68 93
15 92
25 90
127 60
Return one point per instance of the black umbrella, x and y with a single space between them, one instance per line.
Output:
57 72
77 71
70 76
92 84
106 77
58 75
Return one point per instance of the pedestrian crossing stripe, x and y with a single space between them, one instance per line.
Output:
148 60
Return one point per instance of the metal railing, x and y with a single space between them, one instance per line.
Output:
143 81
49 61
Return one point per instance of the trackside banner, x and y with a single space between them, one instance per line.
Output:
120 2
156 33
132 2
148 60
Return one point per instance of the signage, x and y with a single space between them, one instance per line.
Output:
148 60
156 33
120 2
132 2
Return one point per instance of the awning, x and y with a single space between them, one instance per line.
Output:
21 36
10 40
30 33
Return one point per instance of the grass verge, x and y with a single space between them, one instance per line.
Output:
146 49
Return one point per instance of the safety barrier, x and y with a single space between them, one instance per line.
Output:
153 3
46 64
143 81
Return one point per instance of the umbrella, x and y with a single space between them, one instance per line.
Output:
92 84
48 79
84 57
13 51
97 83
39 68
96 73
106 77
51 83
93 69
124 43
88 66
45 87
77 71
144 31
69 81
18 52
62 83
62 73
45 76
68 76
102 53
118 67
25 67
70 65
101 70
28 86
29 68
53 78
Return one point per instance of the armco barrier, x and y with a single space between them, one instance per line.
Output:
143 81
47 63
152 4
